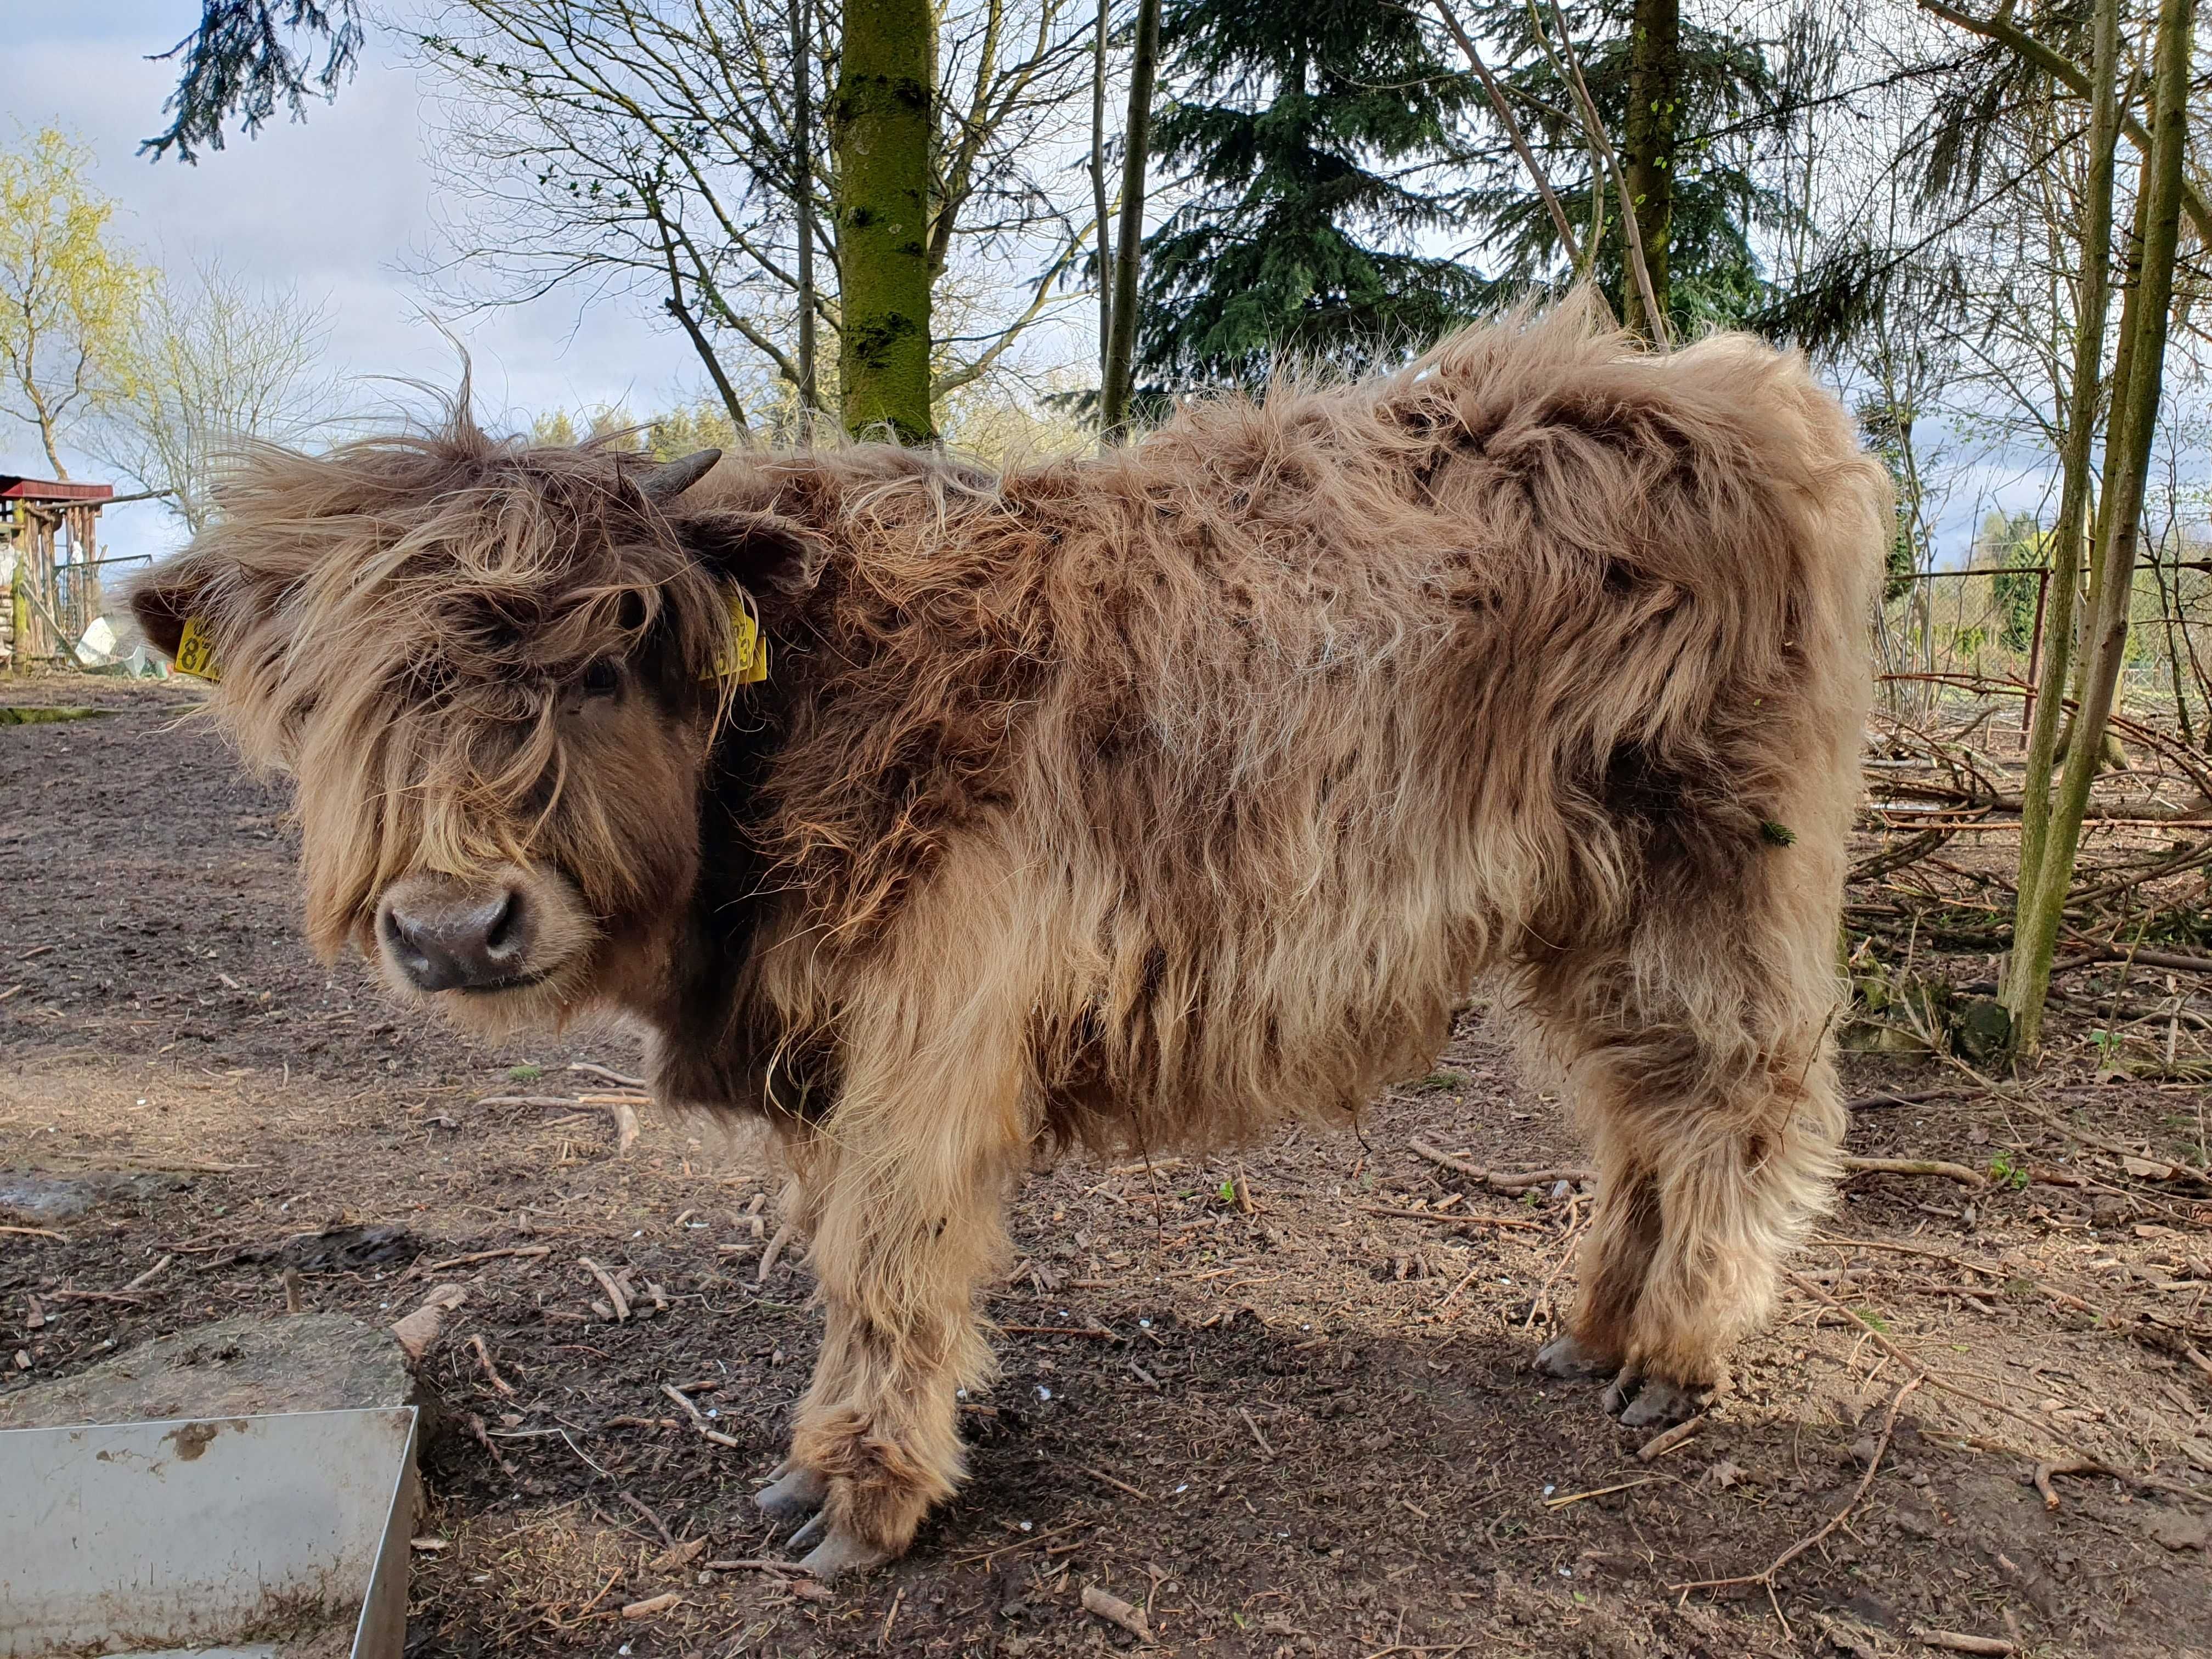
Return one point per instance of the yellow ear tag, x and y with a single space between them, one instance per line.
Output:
196 651
747 660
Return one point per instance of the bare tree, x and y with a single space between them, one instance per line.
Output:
669 149
217 362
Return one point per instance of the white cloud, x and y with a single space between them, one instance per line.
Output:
339 204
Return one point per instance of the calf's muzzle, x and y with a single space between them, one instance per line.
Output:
449 936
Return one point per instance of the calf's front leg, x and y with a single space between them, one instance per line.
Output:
906 1201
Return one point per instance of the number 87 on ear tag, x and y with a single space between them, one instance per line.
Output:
196 651
747 661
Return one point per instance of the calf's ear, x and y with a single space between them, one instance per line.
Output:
757 551
167 596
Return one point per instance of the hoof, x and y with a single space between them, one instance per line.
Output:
839 1553
796 1493
1566 1356
1653 1402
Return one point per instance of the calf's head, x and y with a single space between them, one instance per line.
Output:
496 674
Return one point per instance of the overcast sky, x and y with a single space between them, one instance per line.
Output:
339 205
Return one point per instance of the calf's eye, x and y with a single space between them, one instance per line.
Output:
602 678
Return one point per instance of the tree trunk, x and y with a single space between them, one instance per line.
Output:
802 185
2093 302
880 131
1136 147
1098 186
1654 75
2128 448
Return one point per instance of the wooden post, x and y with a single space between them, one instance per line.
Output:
34 564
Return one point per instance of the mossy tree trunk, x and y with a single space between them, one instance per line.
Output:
880 120
1654 77
2138 380
2094 299
1136 154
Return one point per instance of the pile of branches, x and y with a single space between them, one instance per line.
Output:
1936 857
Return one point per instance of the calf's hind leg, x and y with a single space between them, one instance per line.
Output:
1707 1094
1739 1174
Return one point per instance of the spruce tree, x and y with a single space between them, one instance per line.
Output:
1307 135
1727 97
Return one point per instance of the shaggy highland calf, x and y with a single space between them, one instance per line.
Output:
1140 801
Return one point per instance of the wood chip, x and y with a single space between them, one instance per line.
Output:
652 1606
418 1330
1114 1610
681 1555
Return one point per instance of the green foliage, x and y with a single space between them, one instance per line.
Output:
2006 1172
1730 100
2013 545
69 298
703 423
1888 429
524 1073
1306 132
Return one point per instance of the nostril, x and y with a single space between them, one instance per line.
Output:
504 934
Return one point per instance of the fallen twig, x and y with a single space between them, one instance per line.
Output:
1456 1220
471 1261
658 1524
1882 1097
1105 1479
1915 1166
706 1429
35 1232
1508 1182
491 1370
1951 1641
774 1249
149 1275
1599 1492
607 1076
1664 1442
616 1299
1252 1424
1764 1575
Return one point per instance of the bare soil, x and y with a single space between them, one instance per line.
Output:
1280 1401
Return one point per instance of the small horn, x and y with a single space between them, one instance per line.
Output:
664 483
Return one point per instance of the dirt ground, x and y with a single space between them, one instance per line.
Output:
1281 1401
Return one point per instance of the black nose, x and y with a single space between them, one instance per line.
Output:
470 941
